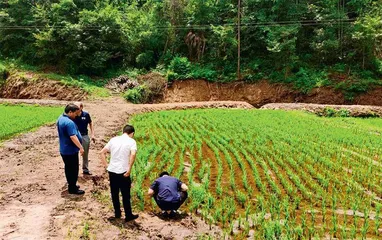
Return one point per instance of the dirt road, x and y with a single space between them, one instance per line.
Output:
34 203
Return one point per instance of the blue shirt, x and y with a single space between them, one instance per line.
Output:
167 188
82 122
66 128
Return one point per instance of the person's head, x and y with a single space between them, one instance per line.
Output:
80 105
164 173
72 110
129 130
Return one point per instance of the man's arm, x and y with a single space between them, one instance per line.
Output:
103 156
133 155
183 187
150 192
91 132
76 142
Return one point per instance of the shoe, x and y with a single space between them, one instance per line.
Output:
78 187
78 192
131 217
87 173
172 213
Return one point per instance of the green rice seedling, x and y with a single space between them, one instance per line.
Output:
248 210
298 232
334 225
241 198
365 226
377 218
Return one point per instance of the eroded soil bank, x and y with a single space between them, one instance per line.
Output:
29 86
261 93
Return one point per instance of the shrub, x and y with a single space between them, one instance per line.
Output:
181 67
3 74
305 80
139 94
207 73
155 82
145 60
331 112
343 113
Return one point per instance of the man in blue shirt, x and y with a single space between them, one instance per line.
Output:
82 121
70 144
168 192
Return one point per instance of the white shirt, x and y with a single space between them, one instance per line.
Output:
120 148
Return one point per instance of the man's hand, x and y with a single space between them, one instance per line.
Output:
82 151
127 174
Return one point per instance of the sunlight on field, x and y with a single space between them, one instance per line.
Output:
16 119
282 174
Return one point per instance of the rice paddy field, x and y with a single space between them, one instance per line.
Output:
15 119
267 174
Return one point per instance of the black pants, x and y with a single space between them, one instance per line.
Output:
171 205
71 170
119 182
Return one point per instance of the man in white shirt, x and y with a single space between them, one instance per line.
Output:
123 151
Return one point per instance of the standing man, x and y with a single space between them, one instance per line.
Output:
123 151
168 192
70 144
82 121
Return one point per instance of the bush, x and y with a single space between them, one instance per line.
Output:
139 94
3 74
207 73
145 60
179 68
305 80
331 112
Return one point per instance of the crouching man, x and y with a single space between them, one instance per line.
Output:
169 193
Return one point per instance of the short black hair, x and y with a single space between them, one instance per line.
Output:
128 129
71 107
163 173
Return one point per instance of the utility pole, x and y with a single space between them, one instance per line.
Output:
238 39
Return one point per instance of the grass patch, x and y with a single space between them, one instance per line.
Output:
94 87
17 119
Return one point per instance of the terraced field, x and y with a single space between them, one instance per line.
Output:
21 118
269 174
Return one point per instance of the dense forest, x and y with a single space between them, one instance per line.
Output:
304 42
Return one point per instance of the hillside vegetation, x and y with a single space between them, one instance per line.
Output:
307 44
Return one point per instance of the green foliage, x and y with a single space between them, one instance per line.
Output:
139 94
179 68
292 42
23 118
331 112
146 60
203 72
3 74
306 80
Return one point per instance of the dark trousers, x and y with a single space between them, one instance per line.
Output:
165 206
119 182
71 170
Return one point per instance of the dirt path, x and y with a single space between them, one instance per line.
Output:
34 203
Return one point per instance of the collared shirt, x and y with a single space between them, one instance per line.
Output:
82 122
66 128
120 149
167 188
